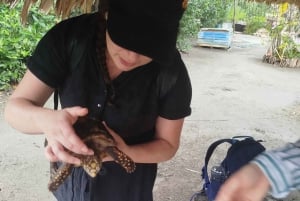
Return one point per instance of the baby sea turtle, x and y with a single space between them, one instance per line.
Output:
97 138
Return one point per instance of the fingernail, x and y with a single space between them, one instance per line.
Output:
91 152
87 151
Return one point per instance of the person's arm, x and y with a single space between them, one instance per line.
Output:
162 148
282 168
25 112
276 171
25 105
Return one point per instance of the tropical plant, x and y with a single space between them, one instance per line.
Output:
255 23
200 13
189 26
17 42
252 14
283 48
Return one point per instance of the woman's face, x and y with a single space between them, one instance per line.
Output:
123 59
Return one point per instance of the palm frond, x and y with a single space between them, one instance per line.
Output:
62 8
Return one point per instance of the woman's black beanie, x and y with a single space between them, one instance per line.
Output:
148 27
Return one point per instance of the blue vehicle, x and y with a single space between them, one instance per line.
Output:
215 37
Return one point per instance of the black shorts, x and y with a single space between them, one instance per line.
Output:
112 183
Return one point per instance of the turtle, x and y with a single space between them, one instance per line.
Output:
96 137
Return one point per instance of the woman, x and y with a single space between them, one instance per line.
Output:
119 65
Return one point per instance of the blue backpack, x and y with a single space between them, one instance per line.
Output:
242 150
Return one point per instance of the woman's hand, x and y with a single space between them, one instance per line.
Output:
163 146
118 140
58 129
25 111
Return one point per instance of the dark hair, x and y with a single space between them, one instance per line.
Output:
101 49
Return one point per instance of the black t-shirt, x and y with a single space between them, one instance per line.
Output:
65 58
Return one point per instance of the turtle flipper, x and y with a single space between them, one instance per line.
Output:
121 158
59 175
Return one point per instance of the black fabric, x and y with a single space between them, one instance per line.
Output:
111 184
66 59
147 27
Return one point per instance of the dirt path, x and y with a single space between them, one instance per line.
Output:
233 94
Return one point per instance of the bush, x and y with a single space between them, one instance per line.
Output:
189 27
199 13
288 48
17 42
254 24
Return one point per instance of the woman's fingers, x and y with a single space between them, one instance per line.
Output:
56 152
116 137
61 136
76 112
120 143
72 142
67 140
50 155
64 156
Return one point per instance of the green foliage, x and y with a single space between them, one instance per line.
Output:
282 43
251 13
17 42
213 12
239 14
200 13
288 48
285 45
244 10
189 26
255 23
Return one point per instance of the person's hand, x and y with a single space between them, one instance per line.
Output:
119 142
60 135
247 184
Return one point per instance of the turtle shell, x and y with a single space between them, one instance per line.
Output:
96 137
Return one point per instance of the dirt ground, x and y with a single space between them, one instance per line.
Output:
234 93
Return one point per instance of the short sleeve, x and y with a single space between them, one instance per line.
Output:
175 104
48 61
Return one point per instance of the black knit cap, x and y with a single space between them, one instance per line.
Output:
148 27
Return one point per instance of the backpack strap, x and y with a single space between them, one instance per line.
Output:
55 99
53 165
209 152
211 149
